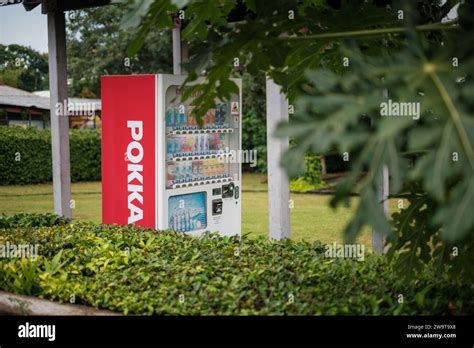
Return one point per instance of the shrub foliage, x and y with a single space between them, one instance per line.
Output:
25 155
143 271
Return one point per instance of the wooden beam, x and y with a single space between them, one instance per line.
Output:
278 181
378 240
59 118
52 5
9 2
176 37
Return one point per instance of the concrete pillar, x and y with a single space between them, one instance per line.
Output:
278 181
59 120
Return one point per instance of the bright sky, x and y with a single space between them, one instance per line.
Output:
24 28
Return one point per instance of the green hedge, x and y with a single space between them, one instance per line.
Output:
312 179
25 155
142 271
32 220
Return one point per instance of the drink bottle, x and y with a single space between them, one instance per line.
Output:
223 113
199 170
190 143
189 170
196 169
182 115
188 223
170 145
195 144
177 226
185 225
203 143
182 171
206 143
171 174
176 122
183 222
177 146
220 113
185 171
169 116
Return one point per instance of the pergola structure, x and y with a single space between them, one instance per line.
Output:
277 110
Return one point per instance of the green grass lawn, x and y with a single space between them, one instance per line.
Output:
311 217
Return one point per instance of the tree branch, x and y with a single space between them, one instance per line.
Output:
371 32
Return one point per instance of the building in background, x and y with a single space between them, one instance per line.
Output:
19 107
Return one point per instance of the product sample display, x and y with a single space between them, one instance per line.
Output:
160 168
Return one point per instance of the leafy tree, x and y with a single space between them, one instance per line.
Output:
23 67
97 46
99 30
253 118
338 61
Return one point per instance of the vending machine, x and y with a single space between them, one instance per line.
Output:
160 169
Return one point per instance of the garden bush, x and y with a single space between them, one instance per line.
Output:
254 135
25 155
32 220
143 271
312 178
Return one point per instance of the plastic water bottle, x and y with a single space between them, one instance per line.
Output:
219 115
169 116
179 171
183 222
223 113
196 145
177 145
182 115
170 145
176 122
189 170
206 143
177 225
186 221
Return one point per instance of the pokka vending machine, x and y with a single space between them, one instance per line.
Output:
160 169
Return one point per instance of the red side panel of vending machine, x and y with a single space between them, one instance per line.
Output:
128 150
